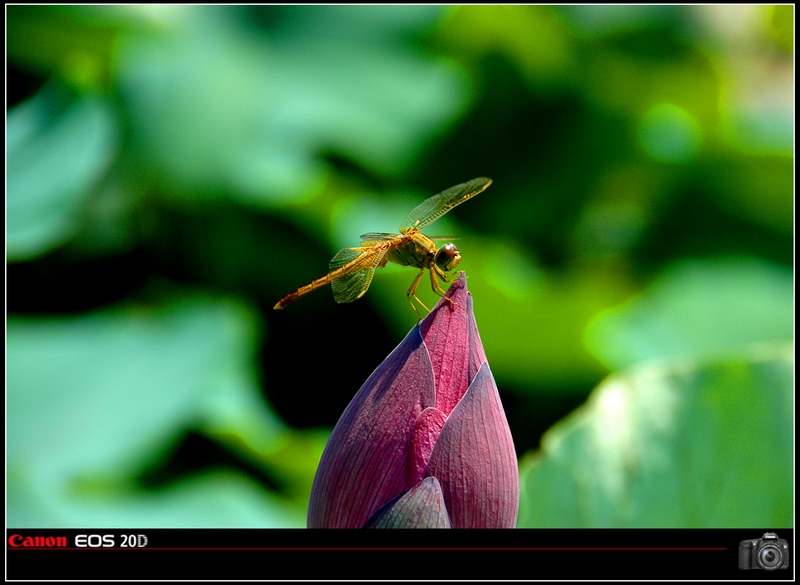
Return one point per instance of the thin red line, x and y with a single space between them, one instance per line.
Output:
395 548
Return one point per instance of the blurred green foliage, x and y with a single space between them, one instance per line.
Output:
672 445
173 171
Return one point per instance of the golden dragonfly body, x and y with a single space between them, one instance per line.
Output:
351 269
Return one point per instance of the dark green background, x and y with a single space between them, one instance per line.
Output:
174 171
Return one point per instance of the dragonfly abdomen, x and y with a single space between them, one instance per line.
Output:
324 280
304 290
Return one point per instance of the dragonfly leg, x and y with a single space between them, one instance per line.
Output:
435 284
412 292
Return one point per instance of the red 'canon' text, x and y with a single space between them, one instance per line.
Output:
20 541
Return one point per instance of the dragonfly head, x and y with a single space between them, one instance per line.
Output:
447 257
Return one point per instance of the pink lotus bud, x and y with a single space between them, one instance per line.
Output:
425 441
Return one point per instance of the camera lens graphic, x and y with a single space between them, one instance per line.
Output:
770 557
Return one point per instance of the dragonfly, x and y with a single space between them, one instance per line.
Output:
351 270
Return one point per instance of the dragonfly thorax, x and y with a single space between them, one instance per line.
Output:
447 257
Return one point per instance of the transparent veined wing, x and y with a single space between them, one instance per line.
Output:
358 266
377 238
432 209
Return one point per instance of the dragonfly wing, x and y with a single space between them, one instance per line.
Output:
432 209
356 280
377 237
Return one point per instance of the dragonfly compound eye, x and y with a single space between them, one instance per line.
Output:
447 257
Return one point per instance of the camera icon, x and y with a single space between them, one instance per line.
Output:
768 552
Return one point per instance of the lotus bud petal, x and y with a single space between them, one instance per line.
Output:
425 441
